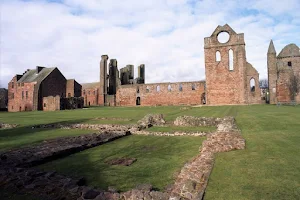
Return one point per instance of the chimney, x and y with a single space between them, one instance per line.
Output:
38 69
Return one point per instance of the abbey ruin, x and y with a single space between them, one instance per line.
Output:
230 79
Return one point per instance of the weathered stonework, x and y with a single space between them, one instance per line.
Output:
190 183
226 84
281 69
3 99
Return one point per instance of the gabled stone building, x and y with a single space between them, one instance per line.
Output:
284 73
30 90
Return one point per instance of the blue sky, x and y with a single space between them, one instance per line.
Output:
166 35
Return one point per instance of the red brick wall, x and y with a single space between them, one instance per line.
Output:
51 103
127 94
253 97
225 86
90 96
18 103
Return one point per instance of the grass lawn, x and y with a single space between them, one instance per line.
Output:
269 168
158 159
173 129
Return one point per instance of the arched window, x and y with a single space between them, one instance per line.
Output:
180 87
138 90
193 87
169 88
252 85
230 60
147 89
218 56
157 88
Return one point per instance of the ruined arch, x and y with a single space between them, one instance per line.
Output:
169 88
157 88
180 87
252 84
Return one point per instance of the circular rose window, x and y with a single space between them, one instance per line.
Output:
223 37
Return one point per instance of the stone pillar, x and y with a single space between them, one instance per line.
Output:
103 80
141 73
113 76
272 72
130 71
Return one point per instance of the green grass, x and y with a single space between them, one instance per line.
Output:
173 129
22 136
158 159
268 169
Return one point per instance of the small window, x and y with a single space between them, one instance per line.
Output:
218 56
193 87
289 63
169 88
44 105
12 84
180 87
147 89
22 94
22 84
83 92
231 64
13 95
26 94
158 88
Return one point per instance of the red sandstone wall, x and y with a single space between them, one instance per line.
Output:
90 96
127 94
18 103
51 103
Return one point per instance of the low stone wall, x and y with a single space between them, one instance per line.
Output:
196 121
7 126
143 132
193 178
56 148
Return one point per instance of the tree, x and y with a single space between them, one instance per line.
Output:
294 85
263 83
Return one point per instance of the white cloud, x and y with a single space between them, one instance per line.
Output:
165 35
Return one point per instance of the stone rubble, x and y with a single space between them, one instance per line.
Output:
190 184
7 126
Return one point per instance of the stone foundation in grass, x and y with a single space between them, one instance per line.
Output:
16 174
7 126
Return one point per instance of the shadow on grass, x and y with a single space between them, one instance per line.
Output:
23 130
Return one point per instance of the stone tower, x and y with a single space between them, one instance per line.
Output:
225 67
272 72
113 68
141 74
103 80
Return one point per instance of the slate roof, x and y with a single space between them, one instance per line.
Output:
32 76
90 85
290 50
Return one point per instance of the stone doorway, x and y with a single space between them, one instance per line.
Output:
138 101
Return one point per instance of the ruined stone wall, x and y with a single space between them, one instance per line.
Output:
253 97
225 85
3 98
51 103
90 96
73 89
185 93
20 96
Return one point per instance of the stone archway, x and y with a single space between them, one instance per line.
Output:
138 101
203 98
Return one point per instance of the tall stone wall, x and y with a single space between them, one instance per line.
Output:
90 96
223 85
103 80
253 96
185 93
